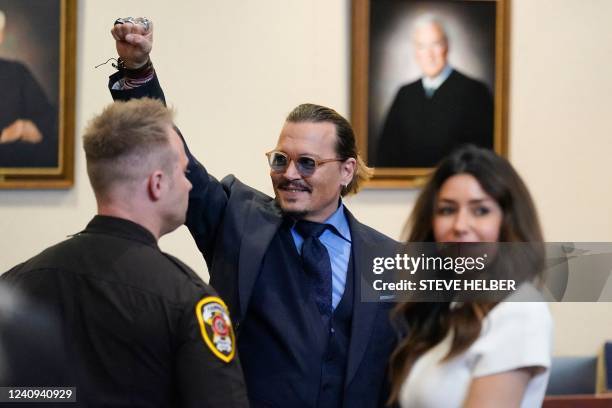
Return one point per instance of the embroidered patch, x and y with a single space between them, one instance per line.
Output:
216 327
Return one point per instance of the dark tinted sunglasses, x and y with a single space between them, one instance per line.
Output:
306 166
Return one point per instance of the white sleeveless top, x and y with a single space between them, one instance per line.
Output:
513 335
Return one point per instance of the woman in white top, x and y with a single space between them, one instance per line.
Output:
473 354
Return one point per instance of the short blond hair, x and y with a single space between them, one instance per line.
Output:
125 141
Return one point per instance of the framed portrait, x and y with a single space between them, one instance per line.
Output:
37 83
426 78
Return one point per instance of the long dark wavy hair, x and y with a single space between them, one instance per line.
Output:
428 324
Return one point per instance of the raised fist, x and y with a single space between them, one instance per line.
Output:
134 40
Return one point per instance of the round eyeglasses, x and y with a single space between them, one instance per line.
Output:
306 166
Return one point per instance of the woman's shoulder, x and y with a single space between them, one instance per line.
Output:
514 334
524 308
519 310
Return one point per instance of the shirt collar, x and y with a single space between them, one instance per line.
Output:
120 227
339 221
437 81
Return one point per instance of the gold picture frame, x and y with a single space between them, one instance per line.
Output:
38 60
379 28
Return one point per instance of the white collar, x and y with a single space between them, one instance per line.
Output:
435 82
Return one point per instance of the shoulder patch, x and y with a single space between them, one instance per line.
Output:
216 327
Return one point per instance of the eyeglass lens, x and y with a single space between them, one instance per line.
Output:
305 165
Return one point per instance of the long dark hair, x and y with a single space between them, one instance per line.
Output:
429 323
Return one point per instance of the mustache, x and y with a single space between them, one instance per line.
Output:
293 184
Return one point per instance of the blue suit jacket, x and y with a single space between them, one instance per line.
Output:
233 224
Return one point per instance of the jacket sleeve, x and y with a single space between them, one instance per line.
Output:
150 89
207 365
207 199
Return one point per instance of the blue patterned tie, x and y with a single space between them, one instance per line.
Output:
317 264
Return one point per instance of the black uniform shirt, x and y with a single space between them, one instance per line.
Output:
141 328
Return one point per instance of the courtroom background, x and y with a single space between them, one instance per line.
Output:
234 70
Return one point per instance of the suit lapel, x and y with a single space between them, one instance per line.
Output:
364 313
262 222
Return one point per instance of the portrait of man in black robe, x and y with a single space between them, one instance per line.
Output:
442 106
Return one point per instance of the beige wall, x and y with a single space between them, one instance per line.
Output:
234 70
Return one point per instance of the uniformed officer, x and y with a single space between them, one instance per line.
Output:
140 327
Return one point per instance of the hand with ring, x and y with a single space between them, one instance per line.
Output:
134 40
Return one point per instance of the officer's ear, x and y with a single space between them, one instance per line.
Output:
155 184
